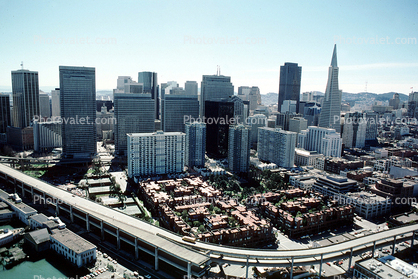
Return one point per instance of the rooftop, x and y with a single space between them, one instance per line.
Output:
72 240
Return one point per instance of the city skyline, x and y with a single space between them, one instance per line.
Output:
373 52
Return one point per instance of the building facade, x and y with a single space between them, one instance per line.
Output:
331 109
134 113
214 87
150 83
289 86
176 110
195 144
239 148
25 90
79 118
5 117
276 146
155 153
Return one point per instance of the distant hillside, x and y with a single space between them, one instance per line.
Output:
369 96
269 99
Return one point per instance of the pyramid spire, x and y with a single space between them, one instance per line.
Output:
334 57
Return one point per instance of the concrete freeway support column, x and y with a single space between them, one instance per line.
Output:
102 229
351 258
117 238
57 208
374 248
136 248
412 239
23 190
320 265
246 267
87 222
156 258
31 191
71 214
44 200
189 270
291 268
394 244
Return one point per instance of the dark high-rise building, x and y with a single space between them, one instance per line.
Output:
134 113
289 86
215 87
190 87
218 115
5 119
150 82
25 87
78 111
176 110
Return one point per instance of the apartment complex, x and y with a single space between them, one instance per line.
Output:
155 153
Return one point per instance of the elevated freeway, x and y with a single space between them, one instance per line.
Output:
192 258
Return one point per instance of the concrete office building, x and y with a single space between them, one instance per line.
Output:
324 141
297 124
354 132
289 86
331 109
150 83
155 153
47 135
239 148
195 144
214 87
25 91
276 146
44 105
176 109
79 125
134 113
5 117
191 88
55 104
254 122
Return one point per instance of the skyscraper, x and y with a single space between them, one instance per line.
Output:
150 82
195 144
190 87
78 111
354 132
239 148
175 109
25 87
214 87
134 113
55 103
331 109
218 114
5 119
289 86
44 105
276 146
155 153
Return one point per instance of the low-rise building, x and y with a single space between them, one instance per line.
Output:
333 185
366 204
73 247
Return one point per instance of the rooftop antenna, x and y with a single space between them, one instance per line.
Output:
21 64
365 89
219 70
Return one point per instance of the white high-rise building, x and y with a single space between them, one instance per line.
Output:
239 148
195 144
354 133
55 103
46 135
288 106
312 140
155 153
256 121
276 146
331 109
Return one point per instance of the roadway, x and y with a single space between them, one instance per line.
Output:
173 243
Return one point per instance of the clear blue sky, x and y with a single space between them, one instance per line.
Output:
183 40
